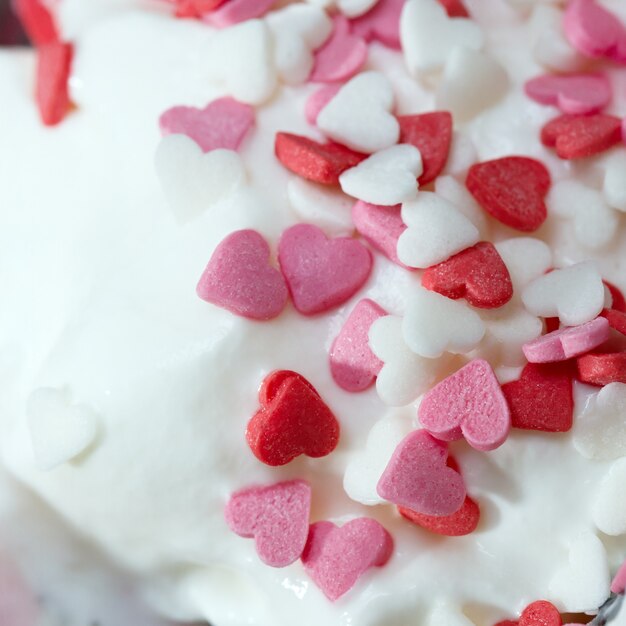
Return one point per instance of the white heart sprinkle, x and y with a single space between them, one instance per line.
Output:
193 181
609 509
354 8
388 177
59 431
600 431
366 467
595 222
241 59
434 324
359 115
583 585
436 230
450 189
615 181
405 375
526 258
575 294
428 36
472 82
298 30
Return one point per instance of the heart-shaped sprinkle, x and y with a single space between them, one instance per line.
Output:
429 35
567 343
59 431
614 188
381 23
292 420
336 557
540 613
195 8
477 274
577 94
542 398
341 57
463 522
431 134
418 478
600 432
381 226
236 11
434 324
222 123
318 100
618 301
193 181
37 20
359 116
19 606
239 278
602 369
594 31
450 189
616 320
582 136
54 62
387 178
276 516
321 273
609 509
454 8
353 365
468 404
583 585
512 190
320 163
436 230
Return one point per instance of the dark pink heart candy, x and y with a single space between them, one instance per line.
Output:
239 278
381 23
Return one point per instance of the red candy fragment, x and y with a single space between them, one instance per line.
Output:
37 21
580 136
431 134
477 274
511 189
454 8
54 62
616 319
292 420
542 399
540 613
463 522
321 163
602 368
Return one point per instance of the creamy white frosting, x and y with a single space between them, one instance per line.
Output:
99 282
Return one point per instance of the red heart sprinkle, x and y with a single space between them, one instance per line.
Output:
454 8
540 613
617 320
321 163
477 274
431 134
542 399
463 522
619 302
580 136
54 62
37 21
602 369
511 189
292 420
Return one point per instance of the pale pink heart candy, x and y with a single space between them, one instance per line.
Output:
276 516
236 11
318 100
341 57
336 557
223 123
469 404
353 365
382 23
239 278
18 603
321 273
594 31
568 342
418 478
381 226
577 94
618 585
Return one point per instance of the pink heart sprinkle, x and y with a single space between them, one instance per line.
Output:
418 478
276 516
321 273
619 582
568 342
18 603
341 57
318 100
236 11
594 31
578 94
353 365
469 404
336 557
381 226
239 278
222 123
381 23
